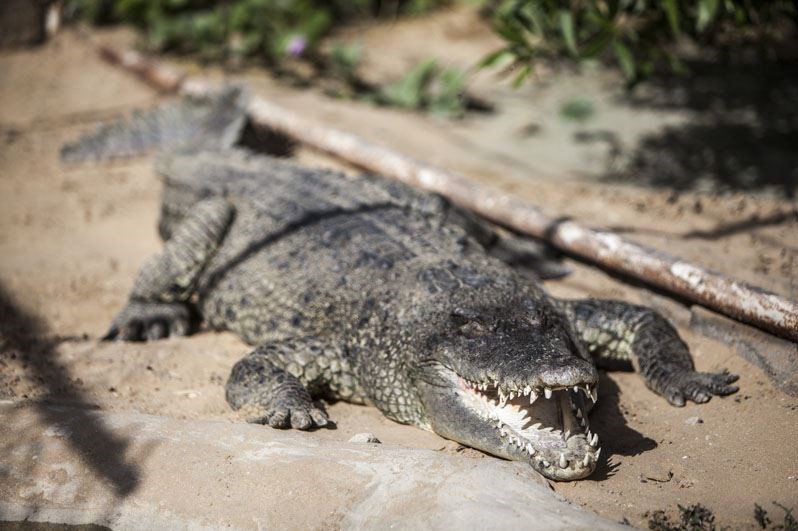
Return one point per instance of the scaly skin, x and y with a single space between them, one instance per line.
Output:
365 290
618 331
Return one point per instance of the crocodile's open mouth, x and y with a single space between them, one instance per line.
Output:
549 425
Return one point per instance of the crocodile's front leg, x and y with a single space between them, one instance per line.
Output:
275 383
616 331
159 303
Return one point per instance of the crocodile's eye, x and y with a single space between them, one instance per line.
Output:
468 323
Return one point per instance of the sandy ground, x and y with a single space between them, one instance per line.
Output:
72 238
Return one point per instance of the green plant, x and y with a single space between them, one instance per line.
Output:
344 60
269 30
428 87
577 110
636 35
789 523
277 32
693 518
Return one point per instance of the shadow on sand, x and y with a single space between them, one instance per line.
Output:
617 438
740 135
24 340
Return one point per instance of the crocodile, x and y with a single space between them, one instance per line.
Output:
359 288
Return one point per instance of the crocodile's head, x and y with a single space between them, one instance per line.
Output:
500 372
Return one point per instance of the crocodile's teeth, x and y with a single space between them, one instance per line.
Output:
532 397
582 421
527 390
547 393
598 452
563 461
545 464
594 394
578 413
512 395
594 440
576 389
530 449
586 460
566 434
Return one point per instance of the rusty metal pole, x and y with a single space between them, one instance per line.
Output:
731 297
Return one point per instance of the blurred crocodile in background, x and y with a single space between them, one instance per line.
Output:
362 289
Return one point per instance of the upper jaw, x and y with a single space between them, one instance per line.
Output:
546 426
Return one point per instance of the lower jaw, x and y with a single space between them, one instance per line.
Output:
569 474
550 469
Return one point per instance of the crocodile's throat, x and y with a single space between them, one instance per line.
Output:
549 425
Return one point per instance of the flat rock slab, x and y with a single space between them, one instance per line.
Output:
131 471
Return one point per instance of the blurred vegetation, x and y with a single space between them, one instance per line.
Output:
281 33
428 86
577 110
697 517
637 35
270 30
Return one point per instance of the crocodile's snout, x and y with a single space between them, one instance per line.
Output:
519 386
571 371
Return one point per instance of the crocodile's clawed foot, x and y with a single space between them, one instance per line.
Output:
291 414
148 321
699 387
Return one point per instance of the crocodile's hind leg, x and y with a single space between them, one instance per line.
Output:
159 305
616 331
274 383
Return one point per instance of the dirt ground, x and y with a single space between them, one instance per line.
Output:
72 239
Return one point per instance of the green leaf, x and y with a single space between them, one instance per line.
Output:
707 9
525 72
597 44
577 110
672 12
625 59
496 58
410 92
568 33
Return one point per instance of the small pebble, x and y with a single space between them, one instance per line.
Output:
692 421
364 438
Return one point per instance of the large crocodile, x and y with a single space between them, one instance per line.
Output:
362 289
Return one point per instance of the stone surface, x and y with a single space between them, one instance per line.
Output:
132 471
364 438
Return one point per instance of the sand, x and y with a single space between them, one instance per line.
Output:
72 239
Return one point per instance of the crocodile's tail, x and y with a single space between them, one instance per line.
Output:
191 123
